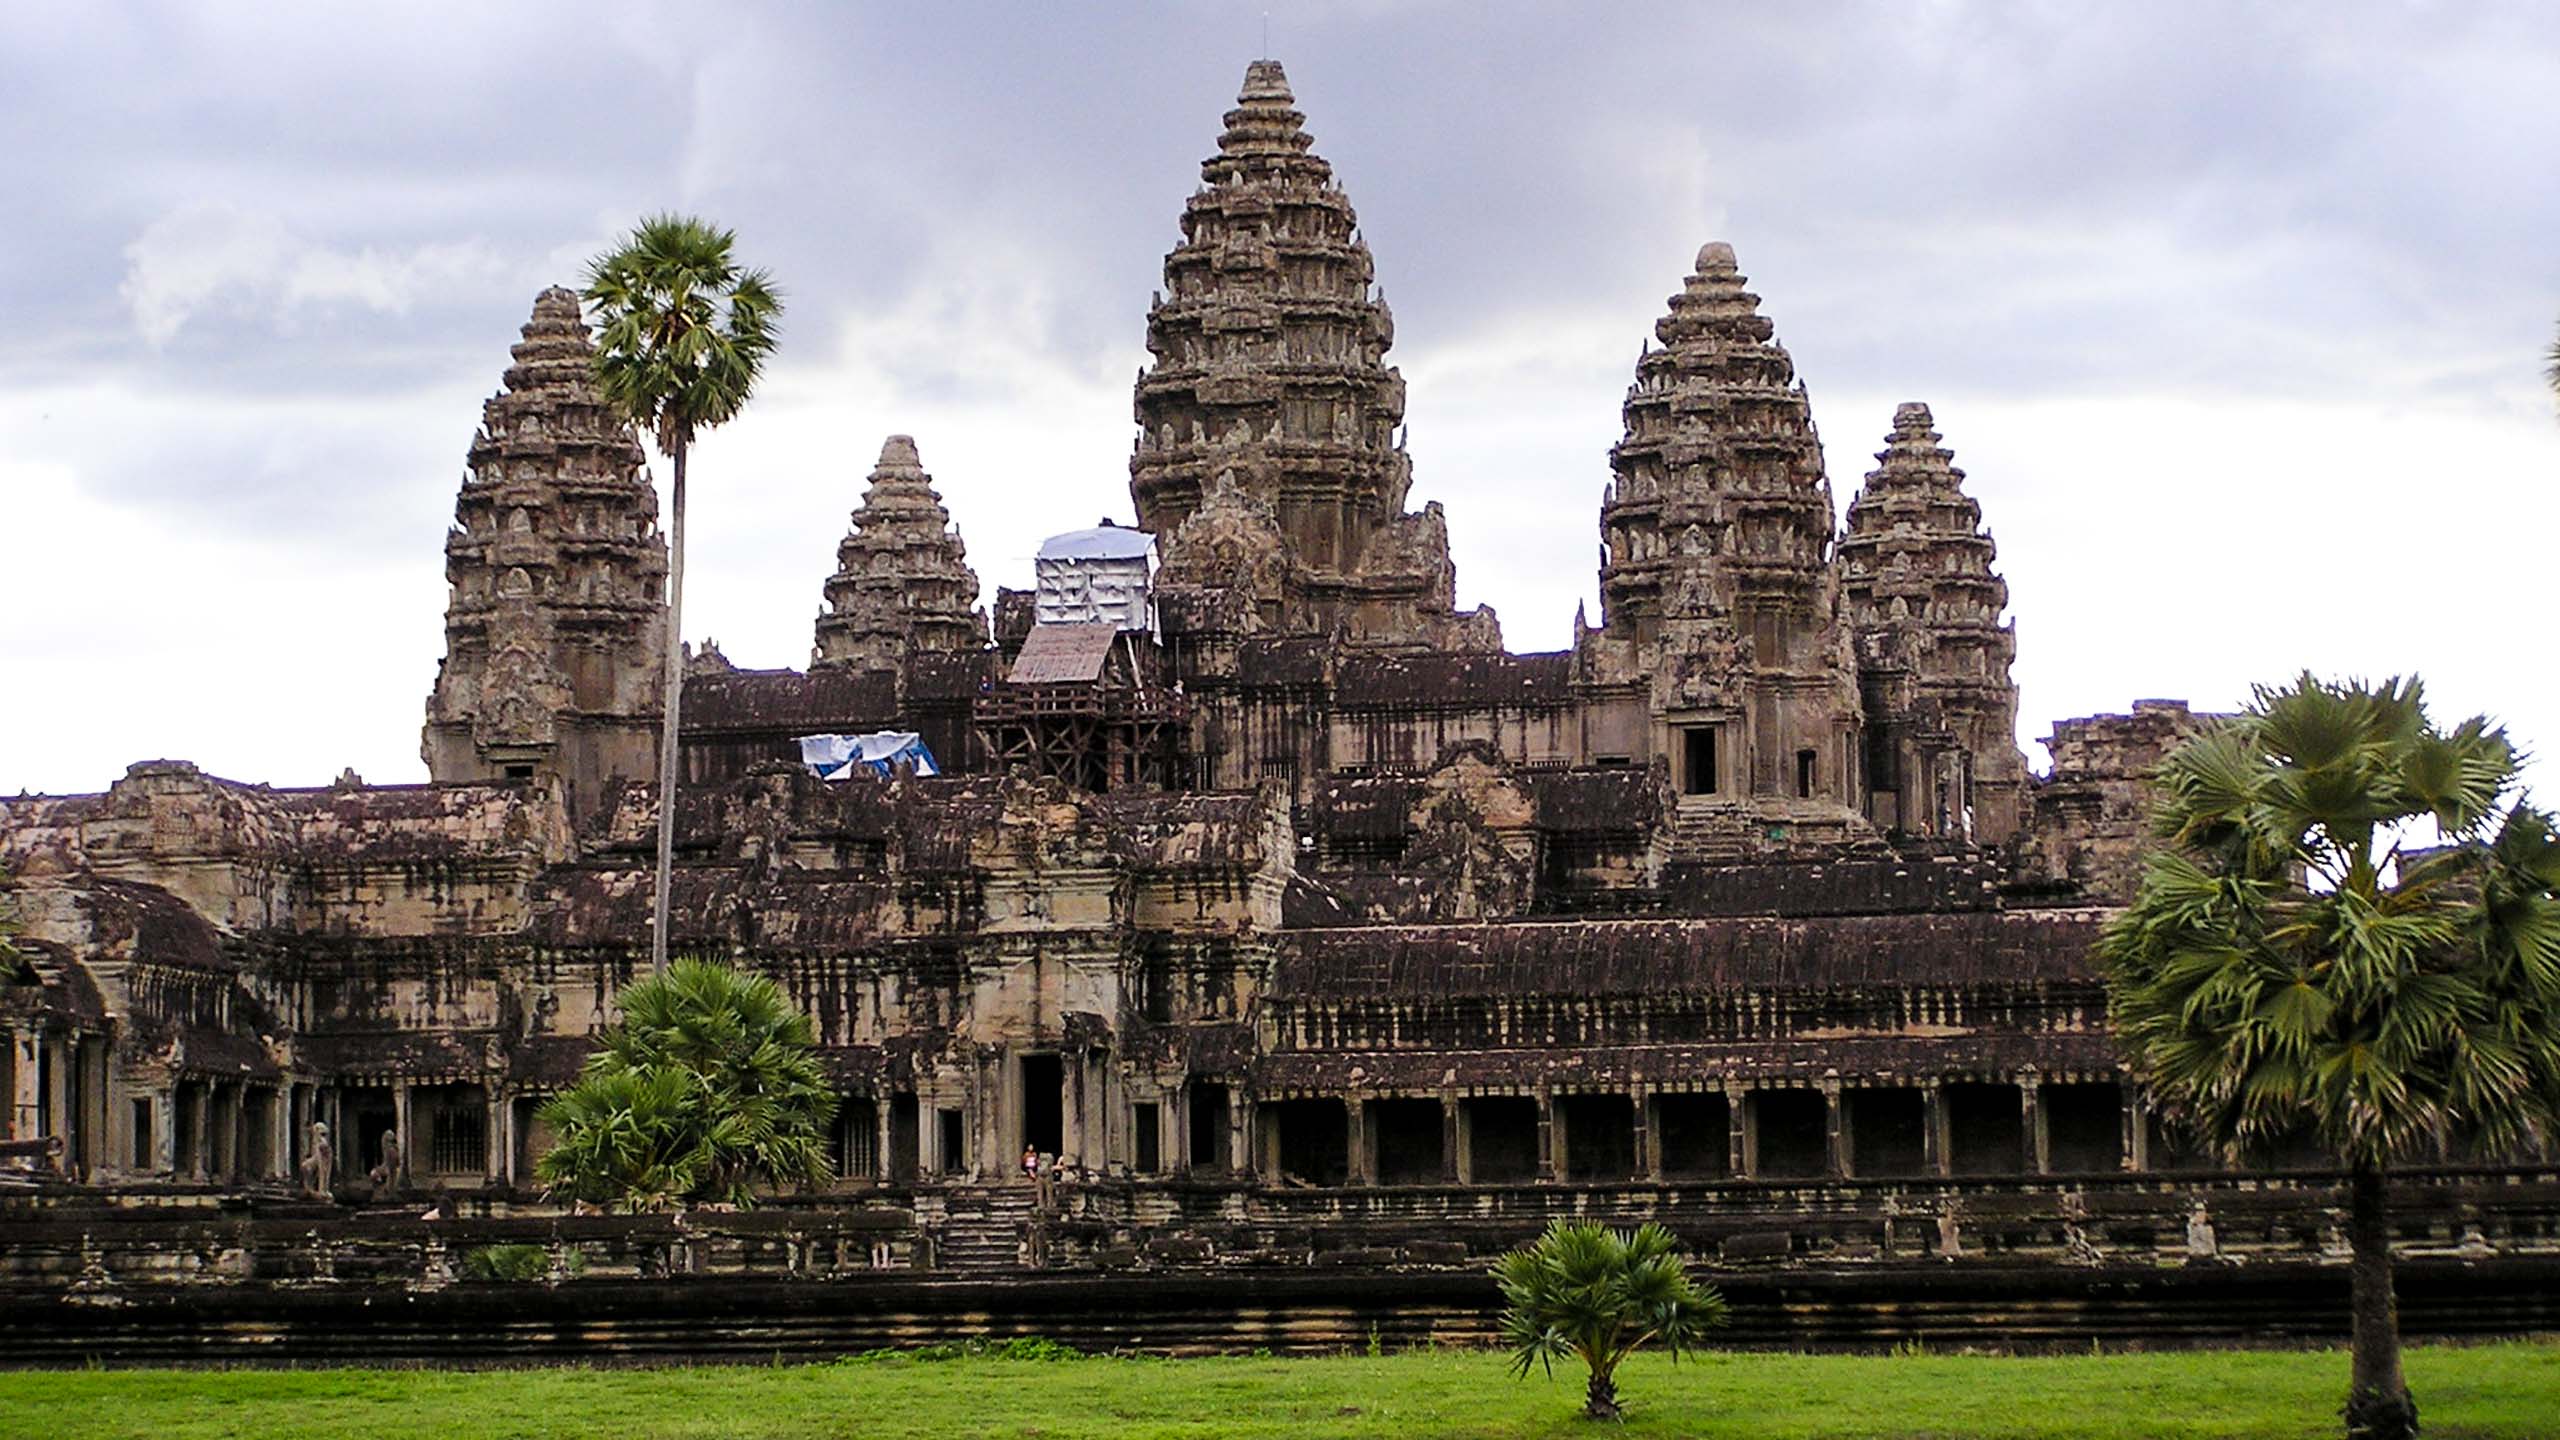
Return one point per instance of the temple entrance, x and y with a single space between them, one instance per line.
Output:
1599 1136
1698 760
1208 1126
1697 1135
1794 1134
1313 1140
1888 1131
1986 1132
1501 1138
1407 1136
1044 1111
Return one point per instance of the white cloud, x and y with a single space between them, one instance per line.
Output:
221 256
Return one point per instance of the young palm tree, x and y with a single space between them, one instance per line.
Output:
682 332
1584 1291
707 1087
2304 957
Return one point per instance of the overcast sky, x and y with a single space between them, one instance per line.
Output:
2235 320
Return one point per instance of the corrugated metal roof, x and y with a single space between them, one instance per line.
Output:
1104 542
1053 653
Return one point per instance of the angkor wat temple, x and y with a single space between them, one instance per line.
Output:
1311 928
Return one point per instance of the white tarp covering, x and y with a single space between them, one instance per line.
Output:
1100 576
883 752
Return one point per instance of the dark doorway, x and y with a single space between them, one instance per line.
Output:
1887 1130
1314 1140
1599 1136
1407 1134
1502 1139
2084 1127
1795 1139
903 1136
1804 774
1697 1135
1209 1126
1146 1131
1698 760
955 1141
1986 1132
1044 1089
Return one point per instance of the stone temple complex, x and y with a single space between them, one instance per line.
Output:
1312 929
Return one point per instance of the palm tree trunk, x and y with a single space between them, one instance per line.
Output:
667 731
2378 1403
1600 1400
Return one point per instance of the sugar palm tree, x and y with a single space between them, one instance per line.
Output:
2305 957
708 1087
1583 1291
682 332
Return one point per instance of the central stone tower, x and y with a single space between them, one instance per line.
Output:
1270 377
558 578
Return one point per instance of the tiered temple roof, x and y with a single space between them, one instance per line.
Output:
1919 587
902 580
558 574
1269 352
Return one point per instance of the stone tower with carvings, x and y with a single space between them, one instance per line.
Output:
1925 604
557 575
902 580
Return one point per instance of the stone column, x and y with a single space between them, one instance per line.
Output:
164 1139
2039 1136
1360 1160
406 1124
280 1133
498 1159
1462 1142
1835 1129
56 1054
1741 1156
1550 1134
200 1103
1449 1169
2137 1130
1933 1130
880 1108
20 1121
1648 1133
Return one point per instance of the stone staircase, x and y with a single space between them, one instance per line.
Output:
984 1229
1706 831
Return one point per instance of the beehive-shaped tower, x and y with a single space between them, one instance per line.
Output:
1921 594
1269 348
902 580
1716 578
558 576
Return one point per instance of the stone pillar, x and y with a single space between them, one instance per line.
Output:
1648 1133
200 1102
1741 1156
2137 1130
1835 1129
164 1140
1462 1143
881 1105
405 1123
1933 1130
498 1159
280 1133
1450 1173
1359 1159
56 1055
2039 1136
20 1121
1550 1134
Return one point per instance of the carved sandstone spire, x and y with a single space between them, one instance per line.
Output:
902 580
1720 460
1919 587
558 577
1716 537
1269 361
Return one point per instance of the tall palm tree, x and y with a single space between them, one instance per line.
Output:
707 1087
1583 1291
682 332
2305 957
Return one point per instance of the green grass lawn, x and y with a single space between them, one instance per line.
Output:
2508 1390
